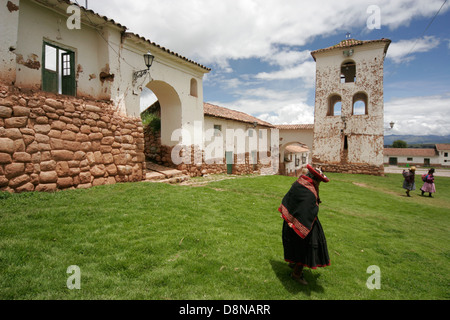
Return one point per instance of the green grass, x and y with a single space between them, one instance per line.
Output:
222 240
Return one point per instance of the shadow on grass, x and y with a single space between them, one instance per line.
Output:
283 272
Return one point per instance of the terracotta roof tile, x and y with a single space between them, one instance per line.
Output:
294 126
296 149
442 146
349 43
221 112
409 152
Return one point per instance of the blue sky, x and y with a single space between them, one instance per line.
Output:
259 51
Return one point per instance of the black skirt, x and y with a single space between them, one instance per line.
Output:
311 252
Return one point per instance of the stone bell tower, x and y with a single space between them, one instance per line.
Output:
349 109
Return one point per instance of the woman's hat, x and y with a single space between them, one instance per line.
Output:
317 172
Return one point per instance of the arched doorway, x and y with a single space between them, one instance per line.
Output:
170 104
162 105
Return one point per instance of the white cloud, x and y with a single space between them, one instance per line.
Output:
400 51
299 113
419 115
305 71
276 107
213 31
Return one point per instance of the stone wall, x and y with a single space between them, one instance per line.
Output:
50 142
352 168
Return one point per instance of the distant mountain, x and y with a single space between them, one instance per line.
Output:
413 140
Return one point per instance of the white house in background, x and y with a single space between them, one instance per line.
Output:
248 138
443 150
295 159
428 157
294 135
302 134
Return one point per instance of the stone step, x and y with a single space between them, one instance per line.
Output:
153 175
156 172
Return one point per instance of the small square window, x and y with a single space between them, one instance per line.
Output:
217 130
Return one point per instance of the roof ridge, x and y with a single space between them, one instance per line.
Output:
236 113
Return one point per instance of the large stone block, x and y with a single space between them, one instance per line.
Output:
48 177
5 112
42 128
54 103
5 158
16 122
48 165
18 181
62 155
64 183
46 187
22 157
85 177
27 187
3 181
98 171
6 145
58 125
14 169
62 169
20 111
13 133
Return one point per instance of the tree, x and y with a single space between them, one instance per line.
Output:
399 144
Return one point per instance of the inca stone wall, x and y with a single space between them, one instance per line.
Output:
50 142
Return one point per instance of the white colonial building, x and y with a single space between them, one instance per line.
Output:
439 156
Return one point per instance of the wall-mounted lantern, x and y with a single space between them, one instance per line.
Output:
148 60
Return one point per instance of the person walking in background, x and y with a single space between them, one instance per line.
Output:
409 183
303 238
428 185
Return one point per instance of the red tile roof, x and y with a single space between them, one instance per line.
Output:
405 152
221 112
296 149
295 126
443 146
349 43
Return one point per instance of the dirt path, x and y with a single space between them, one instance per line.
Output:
419 171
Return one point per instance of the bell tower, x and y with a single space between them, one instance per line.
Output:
349 108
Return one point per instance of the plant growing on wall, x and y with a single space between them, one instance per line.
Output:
151 120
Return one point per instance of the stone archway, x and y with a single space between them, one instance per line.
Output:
168 107
170 104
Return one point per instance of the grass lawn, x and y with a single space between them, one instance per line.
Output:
222 240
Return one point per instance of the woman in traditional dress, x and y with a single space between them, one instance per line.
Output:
303 238
409 183
428 185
